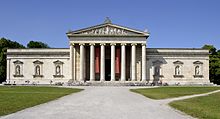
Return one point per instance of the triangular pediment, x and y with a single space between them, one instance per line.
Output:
58 62
107 29
37 62
177 62
197 62
157 62
18 62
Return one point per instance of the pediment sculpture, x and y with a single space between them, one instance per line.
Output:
106 31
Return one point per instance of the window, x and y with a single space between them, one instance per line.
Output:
18 66
58 69
198 69
178 69
38 72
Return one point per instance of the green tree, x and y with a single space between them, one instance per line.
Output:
37 44
4 45
214 64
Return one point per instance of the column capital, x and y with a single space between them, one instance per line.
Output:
113 44
81 43
102 44
123 44
133 44
91 43
143 44
72 44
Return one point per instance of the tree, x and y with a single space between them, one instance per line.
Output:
211 48
37 44
214 64
4 45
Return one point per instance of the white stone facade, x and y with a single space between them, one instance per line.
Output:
169 59
47 59
108 52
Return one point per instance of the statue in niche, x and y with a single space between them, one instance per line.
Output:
197 72
17 70
58 70
177 70
157 71
37 70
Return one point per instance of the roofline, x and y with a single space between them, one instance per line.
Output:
82 35
177 48
36 48
82 29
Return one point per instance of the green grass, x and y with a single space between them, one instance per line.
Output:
170 92
205 107
15 98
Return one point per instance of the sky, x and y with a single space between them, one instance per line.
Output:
171 23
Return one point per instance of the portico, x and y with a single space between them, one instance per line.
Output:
108 61
108 52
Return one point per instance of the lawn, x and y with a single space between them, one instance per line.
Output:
205 107
170 92
15 98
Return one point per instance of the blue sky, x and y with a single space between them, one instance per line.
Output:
172 23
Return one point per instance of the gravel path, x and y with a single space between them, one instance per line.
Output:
101 103
166 101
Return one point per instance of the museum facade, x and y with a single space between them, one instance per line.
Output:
108 53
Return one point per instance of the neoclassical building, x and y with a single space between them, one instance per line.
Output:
108 53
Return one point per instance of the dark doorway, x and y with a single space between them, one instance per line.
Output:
107 69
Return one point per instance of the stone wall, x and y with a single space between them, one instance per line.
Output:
188 57
165 58
27 57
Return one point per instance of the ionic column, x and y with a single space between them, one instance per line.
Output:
71 61
74 63
81 77
133 62
143 62
102 73
123 62
113 62
92 62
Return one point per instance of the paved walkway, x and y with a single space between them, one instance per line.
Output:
101 103
166 101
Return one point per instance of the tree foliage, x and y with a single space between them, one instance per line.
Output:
4 45
214 64
37 44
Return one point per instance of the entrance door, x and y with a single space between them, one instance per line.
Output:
107 69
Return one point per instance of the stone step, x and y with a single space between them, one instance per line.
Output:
108 83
